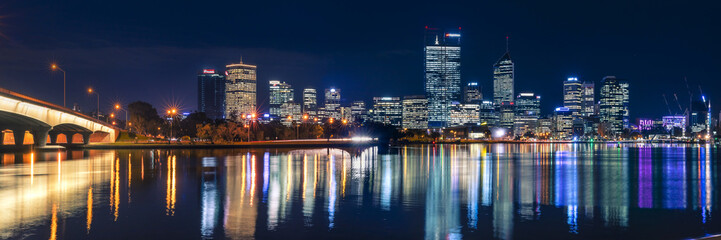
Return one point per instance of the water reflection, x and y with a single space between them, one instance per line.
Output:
498 191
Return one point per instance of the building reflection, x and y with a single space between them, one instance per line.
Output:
487 191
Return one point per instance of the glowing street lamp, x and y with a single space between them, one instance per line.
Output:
117 107
171 113
91 91
56 67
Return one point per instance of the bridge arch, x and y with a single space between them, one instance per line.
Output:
20 113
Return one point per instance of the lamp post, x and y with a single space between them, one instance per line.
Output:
55 67
117 107
90 91
171 113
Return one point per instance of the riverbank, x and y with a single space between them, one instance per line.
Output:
305 143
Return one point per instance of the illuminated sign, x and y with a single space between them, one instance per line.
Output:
208 71
332 90
453 35
527 94
472 84
669 122
645 124
573 79
561 109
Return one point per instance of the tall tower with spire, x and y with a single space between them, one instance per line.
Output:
503 78
503 93
442 73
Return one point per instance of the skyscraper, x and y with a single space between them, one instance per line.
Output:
613 109
280 93
332 103
503 74
310 101
358 111
472 93
415 112
443 73
528 110
572 99
588 102
211 94
240 89
388 110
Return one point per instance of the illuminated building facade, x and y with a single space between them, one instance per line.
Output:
572 96
358 111
387 110
563 118
588 102
240 89
442 73
211 94
472 93
506 115
465 114
310 101
280 93
528 110
613 109
487 114
415 112
503 75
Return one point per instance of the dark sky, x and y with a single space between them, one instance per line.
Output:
152 50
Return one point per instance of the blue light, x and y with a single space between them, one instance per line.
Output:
266 115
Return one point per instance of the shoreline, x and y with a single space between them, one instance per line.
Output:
307 143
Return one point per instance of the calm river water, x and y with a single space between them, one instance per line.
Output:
502 191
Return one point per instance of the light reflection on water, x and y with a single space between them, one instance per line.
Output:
499 191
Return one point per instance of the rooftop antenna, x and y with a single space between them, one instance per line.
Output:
241 59
506 43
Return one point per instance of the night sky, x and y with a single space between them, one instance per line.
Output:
152 50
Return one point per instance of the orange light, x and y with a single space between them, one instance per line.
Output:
315 119
90 90
345 121
130 124
174 110
331 120
252 115
113 122
117 106
112 115
305 117
168 112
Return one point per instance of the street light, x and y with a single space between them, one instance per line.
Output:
55 67
117 107
171 113
90 91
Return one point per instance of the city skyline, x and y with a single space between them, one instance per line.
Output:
541 67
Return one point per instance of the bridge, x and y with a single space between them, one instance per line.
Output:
31 121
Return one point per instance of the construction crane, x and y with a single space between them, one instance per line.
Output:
667 106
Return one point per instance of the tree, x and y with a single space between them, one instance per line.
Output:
188 126
144 118
205 131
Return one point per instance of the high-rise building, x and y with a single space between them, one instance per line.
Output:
528 110
280 93
698 117
588 102
358 110
310 101
613 109
506 115
572 96
563 118
332 98
387 110
415 112
289 112
211 94
465 114
472 93
487 114
240 90
442 73
503 74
